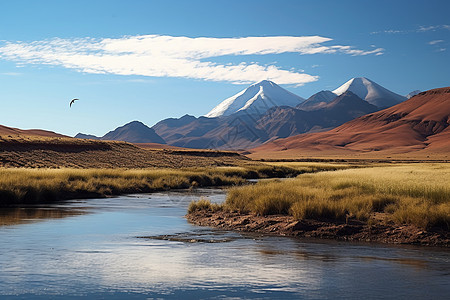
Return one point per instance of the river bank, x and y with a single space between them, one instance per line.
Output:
351 231
399 204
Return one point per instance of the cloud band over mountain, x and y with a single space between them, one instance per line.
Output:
171 56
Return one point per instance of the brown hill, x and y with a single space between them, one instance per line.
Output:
50 152
4 130
416 128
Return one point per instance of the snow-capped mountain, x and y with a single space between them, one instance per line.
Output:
370 91
256 99
412 94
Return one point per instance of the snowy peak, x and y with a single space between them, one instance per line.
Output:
358 86
370 91
256 99
412 94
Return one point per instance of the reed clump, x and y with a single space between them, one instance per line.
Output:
203 204
416 194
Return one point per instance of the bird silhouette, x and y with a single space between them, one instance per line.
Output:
73 100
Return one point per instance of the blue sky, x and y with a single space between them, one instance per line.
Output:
150 60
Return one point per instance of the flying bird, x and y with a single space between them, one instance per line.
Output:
73 100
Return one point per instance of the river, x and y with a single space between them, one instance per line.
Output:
141 247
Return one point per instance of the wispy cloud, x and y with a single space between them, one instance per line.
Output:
390 31
433 28
435 42
169 56
419 29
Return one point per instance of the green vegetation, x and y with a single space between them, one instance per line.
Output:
20 185
416 194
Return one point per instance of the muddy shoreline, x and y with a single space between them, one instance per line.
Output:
351 231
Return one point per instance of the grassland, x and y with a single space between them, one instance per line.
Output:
43 169
28 185
417 194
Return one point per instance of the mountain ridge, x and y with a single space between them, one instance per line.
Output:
318 100
256 99
240 130
420 125
261 113
370 91
132 132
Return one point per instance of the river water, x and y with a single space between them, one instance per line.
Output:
141 247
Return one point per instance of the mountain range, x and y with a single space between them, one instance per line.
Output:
324 125
133 132
260 113
265 111
419 125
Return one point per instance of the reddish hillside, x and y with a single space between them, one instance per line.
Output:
418 127
4 130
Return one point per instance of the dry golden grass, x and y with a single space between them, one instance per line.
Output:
416 194
19 185
44 185
203 204
313 167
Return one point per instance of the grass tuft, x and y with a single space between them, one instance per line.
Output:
416 194
203 205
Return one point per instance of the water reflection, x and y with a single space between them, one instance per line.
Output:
20 215
91 248
416 263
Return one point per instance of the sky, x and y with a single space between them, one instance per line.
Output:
152 60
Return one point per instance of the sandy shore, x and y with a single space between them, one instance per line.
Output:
353 231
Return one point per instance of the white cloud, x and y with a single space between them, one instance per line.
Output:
419 29
435 42
433 28
169 56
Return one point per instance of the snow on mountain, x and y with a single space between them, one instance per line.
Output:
256 99
370 91
412 94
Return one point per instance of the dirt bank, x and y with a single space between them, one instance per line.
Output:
353 231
